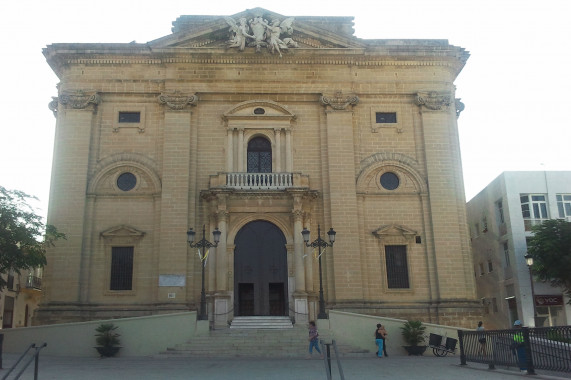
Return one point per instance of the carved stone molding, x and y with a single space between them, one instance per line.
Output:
78 99
338 101
178 101
53 105
459 106
433 100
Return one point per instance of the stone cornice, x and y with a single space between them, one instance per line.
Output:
450 56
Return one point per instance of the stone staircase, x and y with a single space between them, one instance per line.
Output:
247 338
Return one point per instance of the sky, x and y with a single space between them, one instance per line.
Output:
514 85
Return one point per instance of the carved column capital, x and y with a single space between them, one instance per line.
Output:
177 101
297 215
53 105
433 100
459 106
338 101
78 99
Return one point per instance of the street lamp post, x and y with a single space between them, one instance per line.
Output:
529 262
204 244
320 243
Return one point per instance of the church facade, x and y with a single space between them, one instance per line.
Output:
260 126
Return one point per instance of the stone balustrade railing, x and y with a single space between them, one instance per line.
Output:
259 181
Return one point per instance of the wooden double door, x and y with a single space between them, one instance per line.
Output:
260 270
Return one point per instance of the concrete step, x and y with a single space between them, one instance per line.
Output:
249 342
261 322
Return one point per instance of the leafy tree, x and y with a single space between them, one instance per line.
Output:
24 237
550 248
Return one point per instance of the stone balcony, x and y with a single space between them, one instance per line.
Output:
259 181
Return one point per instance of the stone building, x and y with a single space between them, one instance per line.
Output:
259 125
500 219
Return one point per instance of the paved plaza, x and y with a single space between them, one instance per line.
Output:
157 367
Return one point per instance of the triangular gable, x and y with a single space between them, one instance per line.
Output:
394 230
215 31
122 231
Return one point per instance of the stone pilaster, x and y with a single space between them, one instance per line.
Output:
446 195
340 193
175 191
75 112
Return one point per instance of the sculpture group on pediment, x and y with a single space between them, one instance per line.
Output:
258 33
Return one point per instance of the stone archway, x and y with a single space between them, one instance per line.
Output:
260 270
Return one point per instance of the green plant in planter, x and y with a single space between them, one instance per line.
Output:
107 340
413 334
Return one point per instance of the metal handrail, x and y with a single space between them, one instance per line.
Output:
327 359
33 357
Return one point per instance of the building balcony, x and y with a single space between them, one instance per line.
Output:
528 223
34 283
259 181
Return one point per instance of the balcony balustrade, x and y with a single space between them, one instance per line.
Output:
33 282
259 181
528 223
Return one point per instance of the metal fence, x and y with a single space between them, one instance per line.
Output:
547 348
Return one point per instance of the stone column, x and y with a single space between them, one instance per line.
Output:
69 261
289 158
241 158
278 152
340 200
299 295
446 196
173 252
230 151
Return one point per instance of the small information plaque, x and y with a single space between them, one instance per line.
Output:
172 280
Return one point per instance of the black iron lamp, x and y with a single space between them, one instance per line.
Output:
204 244
320 243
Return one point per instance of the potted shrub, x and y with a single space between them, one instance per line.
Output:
107 340
413 334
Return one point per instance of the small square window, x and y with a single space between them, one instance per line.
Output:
386 117
129 117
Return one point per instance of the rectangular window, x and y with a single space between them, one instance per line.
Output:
490 266
495 305
500 212
121 268
482 269
477 228
385 117
129 117
507 254
564 206
533 209
397 267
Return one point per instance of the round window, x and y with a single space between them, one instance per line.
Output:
389 181
126 181
259 111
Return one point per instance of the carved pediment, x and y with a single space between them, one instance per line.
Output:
122 233
394 230
259 30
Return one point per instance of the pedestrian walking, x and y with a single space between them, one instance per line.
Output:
481 338
313 339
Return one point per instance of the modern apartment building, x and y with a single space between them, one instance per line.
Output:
500 219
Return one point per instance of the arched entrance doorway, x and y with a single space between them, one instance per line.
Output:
260 270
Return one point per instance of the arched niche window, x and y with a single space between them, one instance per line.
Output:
259 155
